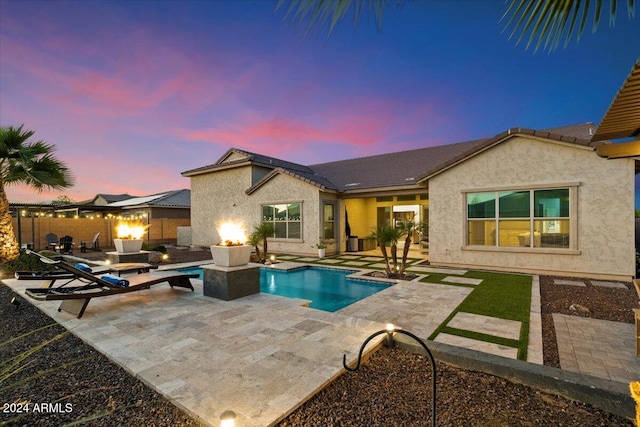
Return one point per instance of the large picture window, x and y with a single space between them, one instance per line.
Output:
519 218
286 219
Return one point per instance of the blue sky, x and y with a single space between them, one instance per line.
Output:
134 92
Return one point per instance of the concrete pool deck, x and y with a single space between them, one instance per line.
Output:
259 356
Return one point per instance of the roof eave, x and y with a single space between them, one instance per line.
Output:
278 171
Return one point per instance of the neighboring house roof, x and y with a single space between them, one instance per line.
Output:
107 198
176 199
173 199
622 119
404 169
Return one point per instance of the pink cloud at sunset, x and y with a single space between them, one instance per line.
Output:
134 93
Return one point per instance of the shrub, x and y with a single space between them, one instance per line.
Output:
157 248
26 262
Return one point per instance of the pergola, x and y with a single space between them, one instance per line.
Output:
622 120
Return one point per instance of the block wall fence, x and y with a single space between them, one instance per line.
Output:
34 230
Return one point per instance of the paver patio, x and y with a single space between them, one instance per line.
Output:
259 356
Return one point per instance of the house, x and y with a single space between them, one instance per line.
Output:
524 200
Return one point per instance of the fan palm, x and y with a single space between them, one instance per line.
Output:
385 235
260 234
547 20
29 163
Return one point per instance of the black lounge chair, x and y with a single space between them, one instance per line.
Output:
76 298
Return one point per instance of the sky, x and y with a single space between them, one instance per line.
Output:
132 93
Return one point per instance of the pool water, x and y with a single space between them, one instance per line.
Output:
327 289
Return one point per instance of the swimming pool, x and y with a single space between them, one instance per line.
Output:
327 289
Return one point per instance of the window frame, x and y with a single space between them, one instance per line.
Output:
286 220
532 219
325 221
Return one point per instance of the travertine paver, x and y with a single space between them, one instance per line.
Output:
596 347
486 347
355 263
569 282
329 261
534 349
609 284
462 280
439 270
486 325
379 265
415 306
258 356
350 256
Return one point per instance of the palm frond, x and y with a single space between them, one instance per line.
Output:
312 15
548 20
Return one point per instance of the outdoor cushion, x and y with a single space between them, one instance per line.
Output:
115 280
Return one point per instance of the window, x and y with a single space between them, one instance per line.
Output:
511 218
329 221
286 219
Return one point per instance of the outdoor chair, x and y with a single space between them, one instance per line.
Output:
93 245
51 241
86 285
66 245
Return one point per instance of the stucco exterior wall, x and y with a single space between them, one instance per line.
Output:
221 195
605 208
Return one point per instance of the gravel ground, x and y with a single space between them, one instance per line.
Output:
392 388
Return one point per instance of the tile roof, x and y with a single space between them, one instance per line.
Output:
393 170
389 170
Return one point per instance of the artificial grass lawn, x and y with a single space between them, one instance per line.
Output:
505 296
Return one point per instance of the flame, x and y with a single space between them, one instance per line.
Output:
134 230
232 233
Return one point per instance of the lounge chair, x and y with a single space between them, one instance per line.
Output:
86 286
93 245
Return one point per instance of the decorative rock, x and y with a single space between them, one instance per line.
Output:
579 309
155 257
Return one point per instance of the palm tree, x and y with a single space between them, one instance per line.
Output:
546 19
254 240
260 234
383 235
30 163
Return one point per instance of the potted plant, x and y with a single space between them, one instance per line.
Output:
322 247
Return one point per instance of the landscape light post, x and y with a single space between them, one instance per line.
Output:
390 330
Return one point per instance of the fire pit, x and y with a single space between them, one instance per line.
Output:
129 243
232 250
231 276
129 237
